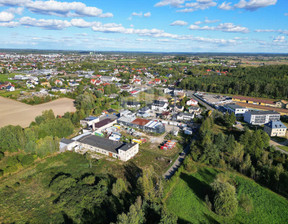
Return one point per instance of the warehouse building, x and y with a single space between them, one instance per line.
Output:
118 150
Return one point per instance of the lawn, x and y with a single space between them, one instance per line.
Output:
187 200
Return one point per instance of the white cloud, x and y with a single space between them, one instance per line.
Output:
206 21
225 6
51 24
10 24
187 7
271 31
179 23
224 27
56 8
173 3
136 14
285 14
147 14
254 4
18 10
6 16
140 14
198 5
279 39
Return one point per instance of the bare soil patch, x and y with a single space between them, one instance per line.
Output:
16 113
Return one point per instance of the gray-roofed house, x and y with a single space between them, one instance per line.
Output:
275 128
93 143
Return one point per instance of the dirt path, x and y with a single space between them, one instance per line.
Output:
16 113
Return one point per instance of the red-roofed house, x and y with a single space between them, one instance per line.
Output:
93 81
191 102
157 81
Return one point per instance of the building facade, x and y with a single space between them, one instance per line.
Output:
275 128
261 117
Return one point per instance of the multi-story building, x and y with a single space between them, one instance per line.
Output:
261 117
236 109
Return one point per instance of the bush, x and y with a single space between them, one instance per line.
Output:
246 203
1 155
27 160
225 201
1 173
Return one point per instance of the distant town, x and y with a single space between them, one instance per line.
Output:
167 114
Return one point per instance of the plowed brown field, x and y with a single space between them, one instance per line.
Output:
16 113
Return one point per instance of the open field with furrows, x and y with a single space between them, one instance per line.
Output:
17 113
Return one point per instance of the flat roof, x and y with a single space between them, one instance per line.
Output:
234 106
140 121
102 123
262 112
106 144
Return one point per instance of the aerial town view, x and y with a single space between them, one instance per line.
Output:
135 112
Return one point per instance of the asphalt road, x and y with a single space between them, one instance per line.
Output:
169 173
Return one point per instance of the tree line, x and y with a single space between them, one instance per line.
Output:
265 81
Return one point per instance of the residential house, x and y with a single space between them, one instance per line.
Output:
131 104
159 105
192 102
184 116
144 112
275 128
58 82
10 88
282 104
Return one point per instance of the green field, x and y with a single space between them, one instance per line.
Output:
187 200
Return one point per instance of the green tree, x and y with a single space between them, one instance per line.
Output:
135 215
225 201
119 187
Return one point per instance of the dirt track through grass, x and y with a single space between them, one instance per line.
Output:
17 113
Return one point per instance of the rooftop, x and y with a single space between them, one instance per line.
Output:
102 123
234 106
254 112
140 121
275 124
107 144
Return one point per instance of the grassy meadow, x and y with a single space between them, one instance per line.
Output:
186 199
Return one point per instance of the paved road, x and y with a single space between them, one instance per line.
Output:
169 173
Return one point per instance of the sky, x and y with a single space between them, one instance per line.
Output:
146 25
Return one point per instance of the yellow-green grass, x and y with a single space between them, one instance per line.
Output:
187 200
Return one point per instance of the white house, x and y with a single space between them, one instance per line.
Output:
275 128
192 102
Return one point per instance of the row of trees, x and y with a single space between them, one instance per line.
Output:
265 81
40 139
